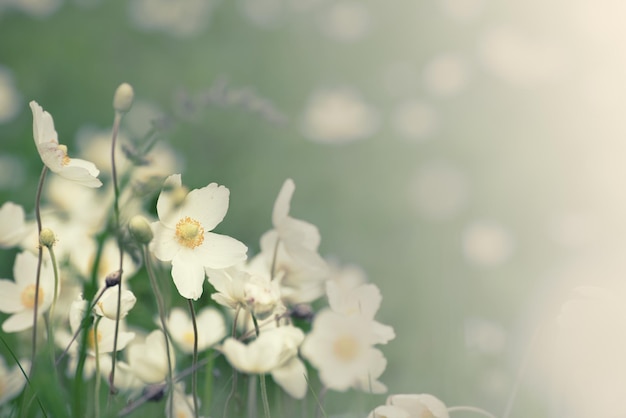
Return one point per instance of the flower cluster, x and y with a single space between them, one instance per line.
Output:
286 312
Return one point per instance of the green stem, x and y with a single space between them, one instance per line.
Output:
97 385
53 259
266 405
194 373
161 308
42 179
118 233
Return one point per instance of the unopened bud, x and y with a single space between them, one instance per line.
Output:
47 238
140 229
113 279
123 99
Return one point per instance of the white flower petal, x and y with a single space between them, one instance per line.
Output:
164 246
9 302
292 378
19 321
82 172
43 125
188 276
221 251
283 201
207 205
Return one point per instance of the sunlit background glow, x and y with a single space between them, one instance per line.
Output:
467 155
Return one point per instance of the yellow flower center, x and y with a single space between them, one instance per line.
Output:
188 337
346 348
189 232
93 338
63 148
28 296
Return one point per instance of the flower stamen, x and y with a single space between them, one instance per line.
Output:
28 296
189 232
346 348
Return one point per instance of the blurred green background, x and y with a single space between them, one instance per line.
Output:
464 153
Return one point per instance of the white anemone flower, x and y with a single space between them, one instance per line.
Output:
341 348
275 351
291 249
411 406
183 234
148 360
54 155
13 227
210 324
18 298
12 380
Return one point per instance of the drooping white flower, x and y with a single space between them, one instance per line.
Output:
411 406
148 360
274 351
13 227
11 380
210 324
107 305
290 249
54 155
18 297
183 234
183 403
341 348
236 288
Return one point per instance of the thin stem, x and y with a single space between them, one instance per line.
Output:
471 409
166 334
55 268
233 387
273 267
194 373
118 233
97 385
266 405
252 406
42 179
520 373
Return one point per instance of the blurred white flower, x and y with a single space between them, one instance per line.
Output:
37 8
18 297
415 120
125 379
518 58
13 226
338 116
54 155
210 324
275 351
446 74
411 406
12 380
341 349
183 234
439 190
10 98
487 243
346 20
182 18
148 359
183 403
463 10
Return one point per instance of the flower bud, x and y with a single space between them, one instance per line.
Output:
113 279
123 99
47 237
140 229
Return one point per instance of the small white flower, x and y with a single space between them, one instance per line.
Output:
275 351
183 234
341 348
107 305
411 406
210 324
291 248
13 227
54 155
18 298
148 360
11 380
